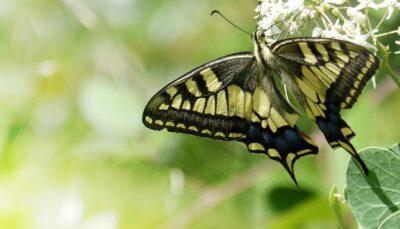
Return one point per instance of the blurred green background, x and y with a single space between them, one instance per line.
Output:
74 78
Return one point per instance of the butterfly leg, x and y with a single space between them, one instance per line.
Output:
338 133
286 145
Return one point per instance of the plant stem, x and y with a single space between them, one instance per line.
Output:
385 34
391 73
382 20
368 20
385 63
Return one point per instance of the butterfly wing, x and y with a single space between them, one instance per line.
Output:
272 129
331 75
231 98
338 70
213 100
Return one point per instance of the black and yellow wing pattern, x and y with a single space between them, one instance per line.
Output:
236 98
232 99
207 101
330 75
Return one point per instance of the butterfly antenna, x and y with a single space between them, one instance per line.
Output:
229 21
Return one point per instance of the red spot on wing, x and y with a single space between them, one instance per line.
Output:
304 135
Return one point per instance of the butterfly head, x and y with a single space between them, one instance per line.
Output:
262 50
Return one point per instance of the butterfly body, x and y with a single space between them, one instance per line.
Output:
237 97
262 52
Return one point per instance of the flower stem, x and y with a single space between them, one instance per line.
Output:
385 63
382 20
385 34
368 20
326 18
392 74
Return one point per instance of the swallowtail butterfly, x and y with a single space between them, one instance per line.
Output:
237 98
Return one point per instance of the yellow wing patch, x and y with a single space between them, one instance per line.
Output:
192 87
222 103
268 116
308 55
212 81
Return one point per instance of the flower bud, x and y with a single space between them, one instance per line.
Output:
356 15
337 2
336 12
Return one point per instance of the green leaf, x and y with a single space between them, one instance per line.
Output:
396 149
393 221
306 213
335 204
281 198
346 194
375 198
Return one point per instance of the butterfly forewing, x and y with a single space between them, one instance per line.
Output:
213 100
337 70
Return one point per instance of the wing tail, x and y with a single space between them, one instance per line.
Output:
338 133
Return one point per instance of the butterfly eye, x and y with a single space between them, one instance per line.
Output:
260 34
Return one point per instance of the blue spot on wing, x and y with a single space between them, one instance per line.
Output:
285 140
267 138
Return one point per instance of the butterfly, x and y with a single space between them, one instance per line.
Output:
238 98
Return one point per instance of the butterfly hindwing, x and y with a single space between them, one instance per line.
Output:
338 133
331 75
272 129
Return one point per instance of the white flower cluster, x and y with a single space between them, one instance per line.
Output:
278 19
274 17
